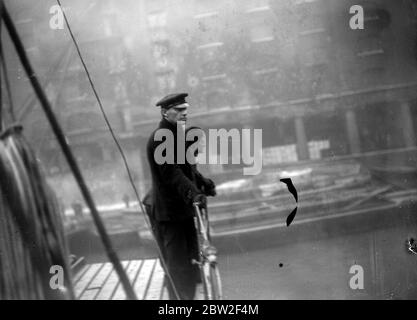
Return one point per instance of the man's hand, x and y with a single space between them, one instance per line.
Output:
209 187
201 200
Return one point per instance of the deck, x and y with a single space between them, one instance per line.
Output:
99 281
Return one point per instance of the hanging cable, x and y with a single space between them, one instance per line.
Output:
68 154
118 147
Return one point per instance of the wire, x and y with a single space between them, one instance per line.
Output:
118 146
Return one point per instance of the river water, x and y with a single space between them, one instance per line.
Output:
313 260
319 269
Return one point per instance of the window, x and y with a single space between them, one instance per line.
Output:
212 64
261 33
160 49
166 81
260 23
210 51
84 121
376 19
313 46
209 26
157 20
379 127
368 46
216 98
315 56
267 85
372 75
371 57
310 15
326 134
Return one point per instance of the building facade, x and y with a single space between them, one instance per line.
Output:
293 68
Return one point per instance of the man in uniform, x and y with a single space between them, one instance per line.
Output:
174 191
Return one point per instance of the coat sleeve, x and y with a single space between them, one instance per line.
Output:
201 181
174 176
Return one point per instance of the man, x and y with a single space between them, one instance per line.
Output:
174 191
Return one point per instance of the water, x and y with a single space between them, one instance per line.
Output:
320 269
312 260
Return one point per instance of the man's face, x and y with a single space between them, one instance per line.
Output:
177 113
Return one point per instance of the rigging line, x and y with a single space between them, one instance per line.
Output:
66 53
1 87
20 50
30 101
118 147
6 79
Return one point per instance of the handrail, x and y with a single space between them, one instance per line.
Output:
208 254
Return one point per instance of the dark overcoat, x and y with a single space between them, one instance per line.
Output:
174 185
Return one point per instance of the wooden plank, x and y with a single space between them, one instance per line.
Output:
143 280
101 276
87 278
80 274
98 282
109 287
132 272
156 283
89 294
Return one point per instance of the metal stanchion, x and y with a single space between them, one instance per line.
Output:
207 257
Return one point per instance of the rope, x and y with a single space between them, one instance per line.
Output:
118 145
68 154
31 233
12 129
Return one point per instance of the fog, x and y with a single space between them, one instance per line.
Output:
332 91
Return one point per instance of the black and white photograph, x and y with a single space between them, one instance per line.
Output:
240 150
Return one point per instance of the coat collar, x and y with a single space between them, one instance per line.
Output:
165 124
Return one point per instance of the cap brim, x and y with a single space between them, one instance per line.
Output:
181 106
